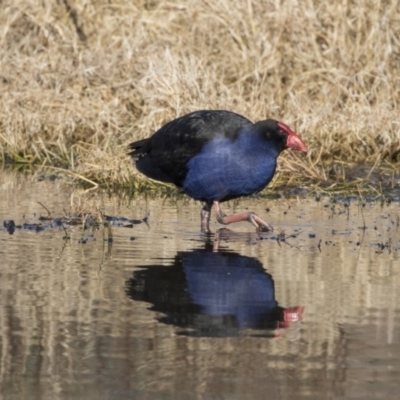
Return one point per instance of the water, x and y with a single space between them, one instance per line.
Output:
157 314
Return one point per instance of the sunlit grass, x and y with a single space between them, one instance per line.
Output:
80 80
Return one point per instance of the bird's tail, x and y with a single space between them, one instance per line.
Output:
136 149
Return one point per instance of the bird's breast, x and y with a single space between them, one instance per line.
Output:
226 169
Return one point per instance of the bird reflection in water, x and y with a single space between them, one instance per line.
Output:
212 293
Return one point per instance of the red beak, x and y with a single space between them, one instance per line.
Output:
293 141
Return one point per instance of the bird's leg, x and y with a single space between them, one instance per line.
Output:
205 217
260 224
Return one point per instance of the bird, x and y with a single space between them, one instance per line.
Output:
214 156
211 293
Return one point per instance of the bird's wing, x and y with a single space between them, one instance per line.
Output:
164 156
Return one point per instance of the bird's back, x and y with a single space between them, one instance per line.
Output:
165 155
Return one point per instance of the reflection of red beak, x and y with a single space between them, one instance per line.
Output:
293 314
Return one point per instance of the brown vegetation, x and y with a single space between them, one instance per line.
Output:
80 80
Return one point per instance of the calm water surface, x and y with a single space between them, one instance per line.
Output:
163 312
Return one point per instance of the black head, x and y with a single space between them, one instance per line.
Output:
281 135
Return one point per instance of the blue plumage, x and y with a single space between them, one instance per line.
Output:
210 294
230 284
225 169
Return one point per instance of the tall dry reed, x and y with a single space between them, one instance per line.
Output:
79 80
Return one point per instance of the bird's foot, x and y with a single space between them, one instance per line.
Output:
253 218
259 223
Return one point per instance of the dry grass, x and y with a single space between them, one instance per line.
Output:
80 80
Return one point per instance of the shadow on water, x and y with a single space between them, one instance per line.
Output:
212 293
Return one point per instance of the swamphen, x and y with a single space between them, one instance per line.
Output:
212 294
215 156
